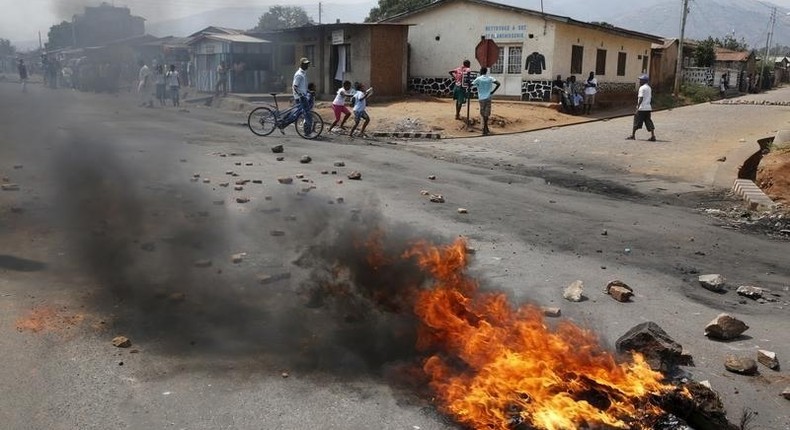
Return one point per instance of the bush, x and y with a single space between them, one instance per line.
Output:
699 93
665 101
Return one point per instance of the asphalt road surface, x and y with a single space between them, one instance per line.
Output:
121 226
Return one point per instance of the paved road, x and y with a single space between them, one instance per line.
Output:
102 237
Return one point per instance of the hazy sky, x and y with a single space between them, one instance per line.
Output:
21 20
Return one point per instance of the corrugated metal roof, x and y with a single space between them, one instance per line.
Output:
235 38
729 55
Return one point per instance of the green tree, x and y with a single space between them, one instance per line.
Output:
60 36
279 17
6 48
730 42
388 8
705 53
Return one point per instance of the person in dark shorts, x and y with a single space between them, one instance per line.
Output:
459 91
643 110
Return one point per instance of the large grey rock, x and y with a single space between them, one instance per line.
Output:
660 351
713 282
725 327
574 292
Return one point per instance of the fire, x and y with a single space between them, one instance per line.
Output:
493 366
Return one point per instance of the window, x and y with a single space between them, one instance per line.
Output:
287 56
621 56
514 60
644 64
498 67
600 62
577 56
309 52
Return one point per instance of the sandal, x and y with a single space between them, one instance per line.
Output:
630 138
652 139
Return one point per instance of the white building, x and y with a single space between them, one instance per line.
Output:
534 48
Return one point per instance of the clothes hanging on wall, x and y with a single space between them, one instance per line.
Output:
535 64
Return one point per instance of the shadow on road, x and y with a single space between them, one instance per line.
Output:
10 262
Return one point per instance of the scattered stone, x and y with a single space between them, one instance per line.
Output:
305 159
325 172
248 164
148 246
573 292
10 187
713 282
334 172
470 250
616 283
425 193
224 184
722 159
432 177
299 175
121 342
203 263
436 198
740 365
661 352
621 294
725 327
238 163
751 292
285 180
277 149
268 198
229 172
18 166
604 233
339 164
242 182
339 181
206 180
768 359
277 233
242 199
355 175
196 175
285 374
551 312
235 174
257 181
265 279
183 160
238 188
238 258
786 393
340 200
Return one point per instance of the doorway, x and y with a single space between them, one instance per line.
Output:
507 69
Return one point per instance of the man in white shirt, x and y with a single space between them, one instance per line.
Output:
300 80
643 109
143 77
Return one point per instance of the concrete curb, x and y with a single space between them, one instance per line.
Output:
408 135
752 194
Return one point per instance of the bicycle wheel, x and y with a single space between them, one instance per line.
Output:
262 121
309 131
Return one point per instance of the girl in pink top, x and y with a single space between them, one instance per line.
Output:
339 105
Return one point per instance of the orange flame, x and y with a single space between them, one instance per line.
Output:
493 366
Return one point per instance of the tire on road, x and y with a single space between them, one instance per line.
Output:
317 126
262 121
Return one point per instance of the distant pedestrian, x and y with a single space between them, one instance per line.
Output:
558 88
590 89
299 84
143 83
160 85
459 89
222 80
21 67
643 110
360 109
339 106
486 87
173 84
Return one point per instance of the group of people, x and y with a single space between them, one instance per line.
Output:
357 93
573 95
166 83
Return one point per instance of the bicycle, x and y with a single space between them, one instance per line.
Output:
263 120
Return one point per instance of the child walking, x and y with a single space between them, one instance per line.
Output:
339 106
360 112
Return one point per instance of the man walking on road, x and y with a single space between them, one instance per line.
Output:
22 69
486 87
643 109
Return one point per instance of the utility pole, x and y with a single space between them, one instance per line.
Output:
319 12
679 66
767 45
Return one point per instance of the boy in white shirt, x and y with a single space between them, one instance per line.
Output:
360 105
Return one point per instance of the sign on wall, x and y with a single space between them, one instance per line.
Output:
505 32
338 37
